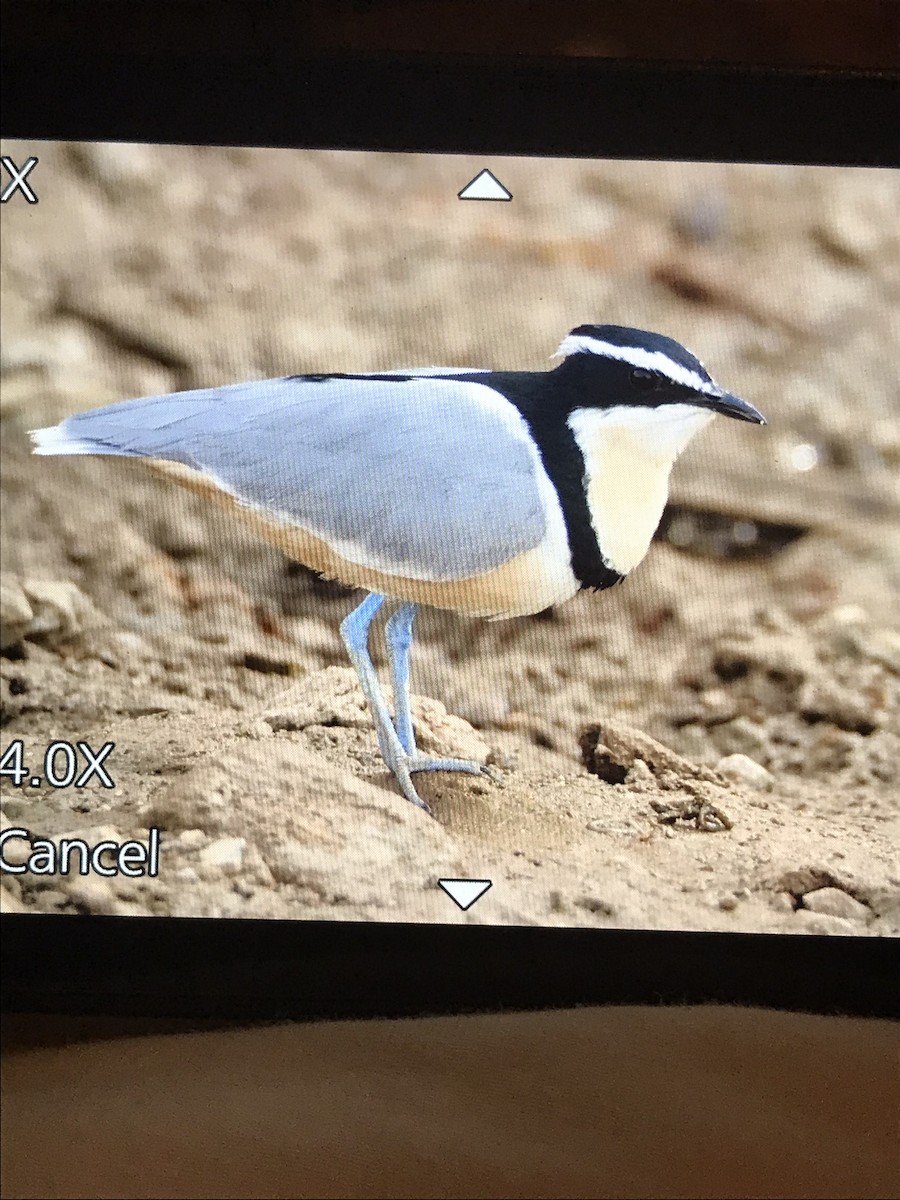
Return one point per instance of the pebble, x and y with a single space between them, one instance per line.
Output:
693 742
639 772
743 770
879 645
851 237
59 608
226 853
740 736
120 168
291 861
505 760
191 839
257 728
10 902
15 612
826 700
94 894
833 902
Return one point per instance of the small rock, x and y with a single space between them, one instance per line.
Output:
291 861
846 616
717 706
743 770
443 733
849 236
692 741
610 749
60 610
639 772
257 728
225 853
833 902
92 893
826 700
191 802
15 611
740 736
119 168
702 218
881 646
10 903
503 759
191 839
728 903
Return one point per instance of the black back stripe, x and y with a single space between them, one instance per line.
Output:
370 376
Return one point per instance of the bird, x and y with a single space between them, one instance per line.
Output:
490 493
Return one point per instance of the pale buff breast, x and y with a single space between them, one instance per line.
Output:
628 455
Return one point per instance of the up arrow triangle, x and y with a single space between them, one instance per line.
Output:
485 186
464 892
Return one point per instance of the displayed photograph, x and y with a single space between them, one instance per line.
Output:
424 538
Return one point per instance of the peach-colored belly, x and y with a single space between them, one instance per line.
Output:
528 583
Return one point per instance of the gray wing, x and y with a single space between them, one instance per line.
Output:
431 477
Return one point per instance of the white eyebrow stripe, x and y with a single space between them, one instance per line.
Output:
648 360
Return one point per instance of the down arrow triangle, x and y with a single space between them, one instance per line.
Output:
464 892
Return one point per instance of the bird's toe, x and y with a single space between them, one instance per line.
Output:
423 762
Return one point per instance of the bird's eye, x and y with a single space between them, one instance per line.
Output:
644 381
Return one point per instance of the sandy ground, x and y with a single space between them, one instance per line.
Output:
762 624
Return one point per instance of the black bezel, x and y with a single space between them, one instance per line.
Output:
596 108
565 107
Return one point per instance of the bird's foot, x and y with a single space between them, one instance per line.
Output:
406 765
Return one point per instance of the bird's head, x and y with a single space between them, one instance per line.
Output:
615 367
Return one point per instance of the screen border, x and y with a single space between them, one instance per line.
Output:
280 969
462 105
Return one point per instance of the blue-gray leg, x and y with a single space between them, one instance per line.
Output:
355 632
399 634
397 744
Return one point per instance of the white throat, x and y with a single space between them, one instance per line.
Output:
628 453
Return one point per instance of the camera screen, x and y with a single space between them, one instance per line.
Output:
420 538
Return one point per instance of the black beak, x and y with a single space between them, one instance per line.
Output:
730 405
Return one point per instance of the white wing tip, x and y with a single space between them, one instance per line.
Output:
55 440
